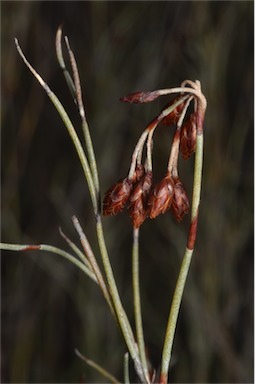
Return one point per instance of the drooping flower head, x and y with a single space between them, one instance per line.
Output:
117 196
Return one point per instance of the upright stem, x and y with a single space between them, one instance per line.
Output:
176 303
137 302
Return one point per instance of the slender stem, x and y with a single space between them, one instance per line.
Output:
92 260
120 313
85 127
62 65
137 302
49 248
75 249
98 368
126 368
175 307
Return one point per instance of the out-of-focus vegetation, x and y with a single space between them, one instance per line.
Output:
48 307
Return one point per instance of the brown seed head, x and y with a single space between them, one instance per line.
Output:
188 137
138 200
117 197
180 203
172 117
160 197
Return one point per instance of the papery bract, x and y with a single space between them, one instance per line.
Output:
140 97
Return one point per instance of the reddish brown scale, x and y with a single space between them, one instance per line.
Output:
180 203
140 97
160 197
117 197
173 117
138 200
188 137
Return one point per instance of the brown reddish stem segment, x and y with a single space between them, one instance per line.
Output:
192 233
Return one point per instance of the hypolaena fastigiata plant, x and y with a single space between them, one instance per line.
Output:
141 197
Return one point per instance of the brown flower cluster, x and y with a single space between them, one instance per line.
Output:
136 192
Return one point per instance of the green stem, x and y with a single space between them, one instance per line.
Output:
49 248
137 302
178 293
126 368
120 313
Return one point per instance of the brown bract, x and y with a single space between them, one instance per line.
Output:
160 197
140 97
188 137
117 197
180 202
138 200
172 117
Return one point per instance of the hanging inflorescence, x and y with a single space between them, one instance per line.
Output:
136 191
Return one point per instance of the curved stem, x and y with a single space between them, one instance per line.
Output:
137 302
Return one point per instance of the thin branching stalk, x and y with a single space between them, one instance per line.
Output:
75 249
150 129
98 368
49 248
178 293
137 302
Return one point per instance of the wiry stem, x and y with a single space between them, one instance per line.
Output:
85 127
137 302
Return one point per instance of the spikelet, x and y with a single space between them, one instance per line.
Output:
188 137
161 196
180 202
138 200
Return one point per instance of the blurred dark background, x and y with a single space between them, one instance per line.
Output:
49 307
